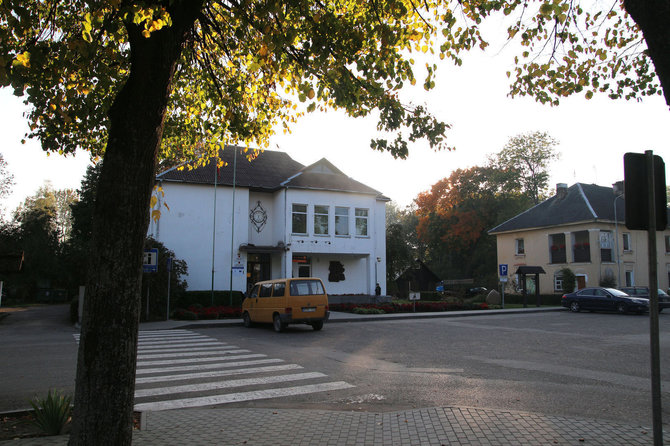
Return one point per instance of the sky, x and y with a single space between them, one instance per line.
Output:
593 135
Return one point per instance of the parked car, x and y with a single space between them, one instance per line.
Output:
287 301
605 299
643 293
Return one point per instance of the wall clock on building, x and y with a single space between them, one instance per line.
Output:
258 217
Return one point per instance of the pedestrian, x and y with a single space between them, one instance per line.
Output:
378 290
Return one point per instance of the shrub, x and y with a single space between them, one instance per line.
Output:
185 315
52 413
569 280
204 298
360 310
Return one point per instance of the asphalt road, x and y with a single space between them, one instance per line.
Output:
588 365
580 365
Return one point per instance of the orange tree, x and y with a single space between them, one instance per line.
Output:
455 214
135 81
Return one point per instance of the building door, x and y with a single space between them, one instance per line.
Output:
581 282
258 268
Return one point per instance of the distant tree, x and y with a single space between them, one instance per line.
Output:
154 285
526 158
455 215
6 183
402 242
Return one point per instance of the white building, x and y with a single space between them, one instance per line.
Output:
281 219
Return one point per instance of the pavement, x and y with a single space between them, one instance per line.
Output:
423 426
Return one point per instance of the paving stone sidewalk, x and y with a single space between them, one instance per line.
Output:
420 427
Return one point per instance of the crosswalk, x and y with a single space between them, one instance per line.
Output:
180 368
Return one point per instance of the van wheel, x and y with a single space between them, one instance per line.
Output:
277 324
318 325
247 320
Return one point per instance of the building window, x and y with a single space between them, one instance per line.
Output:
321 220
627 242
606 245
557 253
558 281
518 247
362 222
630 279
667 244
581 248
299 219
341 220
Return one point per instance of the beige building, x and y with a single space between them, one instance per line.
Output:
582 227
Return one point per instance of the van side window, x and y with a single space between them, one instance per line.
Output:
279 289
266 290
306 287
254 292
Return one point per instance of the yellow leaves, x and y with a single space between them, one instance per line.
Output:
155 215
22 59
154 201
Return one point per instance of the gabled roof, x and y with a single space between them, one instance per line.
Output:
581 203
269 171
325 176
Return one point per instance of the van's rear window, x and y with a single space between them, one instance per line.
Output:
306 287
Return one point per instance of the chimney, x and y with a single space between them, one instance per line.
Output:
561 190
617 188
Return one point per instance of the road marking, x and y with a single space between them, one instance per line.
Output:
191 360
188 353
227 384
187 368
243 396
220 373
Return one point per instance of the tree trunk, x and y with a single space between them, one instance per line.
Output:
653 18
105 384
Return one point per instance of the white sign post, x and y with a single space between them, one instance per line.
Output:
502 269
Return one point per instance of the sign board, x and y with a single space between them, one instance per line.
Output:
502 270
150 263
238 271
503 279
169 263
414 295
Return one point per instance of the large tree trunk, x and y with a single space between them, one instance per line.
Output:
105 384
653 18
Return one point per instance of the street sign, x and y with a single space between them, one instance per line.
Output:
169 264
150 263
503 279
414 295
502 268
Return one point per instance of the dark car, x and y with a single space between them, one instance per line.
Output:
643 293
605 299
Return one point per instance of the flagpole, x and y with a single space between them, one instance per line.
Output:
232 228
216 177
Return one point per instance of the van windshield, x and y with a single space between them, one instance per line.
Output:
306 287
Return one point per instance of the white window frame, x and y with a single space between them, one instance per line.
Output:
558 281
294 213
627 240
519 252
319 214
342 218
363 218
629 273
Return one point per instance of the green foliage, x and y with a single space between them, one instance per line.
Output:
157 283
569 280
608 282
402 243
6 183
204 299
52 414
526 159
361 310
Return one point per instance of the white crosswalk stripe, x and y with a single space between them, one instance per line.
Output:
207 372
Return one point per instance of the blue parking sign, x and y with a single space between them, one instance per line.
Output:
503 269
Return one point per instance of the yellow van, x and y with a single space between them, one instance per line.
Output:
287 301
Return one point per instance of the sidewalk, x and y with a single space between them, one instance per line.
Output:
420 427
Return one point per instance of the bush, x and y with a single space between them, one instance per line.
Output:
185 315
360 310
545 299
204 299
53 413
569 280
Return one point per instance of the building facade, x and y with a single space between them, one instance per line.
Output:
583 228
272 217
